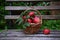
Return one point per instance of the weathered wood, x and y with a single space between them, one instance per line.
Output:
29 38
32 0
35 7
19 35
55 12
43 16
20 30
3 33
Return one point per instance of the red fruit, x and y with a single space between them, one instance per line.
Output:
36 19
46 31
31 13
29 20
24 17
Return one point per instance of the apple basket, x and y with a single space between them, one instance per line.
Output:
33 27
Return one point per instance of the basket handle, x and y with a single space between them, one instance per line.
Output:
32 9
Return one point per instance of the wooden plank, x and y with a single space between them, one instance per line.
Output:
35 35
32 0
43 16
28 38
15 34
20 30
35 7
19 35
3 33
55 12
14 31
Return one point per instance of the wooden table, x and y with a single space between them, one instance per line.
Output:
15 34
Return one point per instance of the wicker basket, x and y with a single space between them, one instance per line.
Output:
34 28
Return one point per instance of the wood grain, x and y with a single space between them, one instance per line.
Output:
35 7
14 34
32 0
43 16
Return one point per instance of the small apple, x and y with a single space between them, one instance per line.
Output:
46 31
31 13
24 17
29 20
36 19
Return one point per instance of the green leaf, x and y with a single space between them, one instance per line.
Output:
24 26
36 13
27 24
17 20
27 16
21 20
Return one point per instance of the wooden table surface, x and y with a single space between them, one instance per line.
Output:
15 34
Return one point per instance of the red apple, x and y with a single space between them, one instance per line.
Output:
46 31
36 19
31 13
24 17
29 20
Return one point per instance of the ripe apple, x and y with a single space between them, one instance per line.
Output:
46 31
29 20
31 13
36 19
24 17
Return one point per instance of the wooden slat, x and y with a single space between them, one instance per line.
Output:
19 35
35 7
32 0
28 38
16 32
43 16
40 32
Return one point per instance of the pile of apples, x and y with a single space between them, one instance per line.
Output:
34 18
